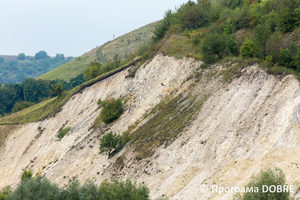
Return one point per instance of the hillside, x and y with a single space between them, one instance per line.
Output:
212 101
8 57
225 123
123 45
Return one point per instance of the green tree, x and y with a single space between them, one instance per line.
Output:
214 47
93 71
247 49
262 33
58 89
266 178
38 188
116 60
41 55
21 56
228 28
108 143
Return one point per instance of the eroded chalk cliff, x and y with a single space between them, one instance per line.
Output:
246 120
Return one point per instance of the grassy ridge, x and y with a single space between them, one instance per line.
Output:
52 106
123 46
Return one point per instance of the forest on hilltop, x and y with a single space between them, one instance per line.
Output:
16 70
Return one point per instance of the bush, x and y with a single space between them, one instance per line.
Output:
247 49
267 178
123 190
21 106
63 132
39 188
27 174
111 110
5 192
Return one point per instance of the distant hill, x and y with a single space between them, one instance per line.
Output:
14 69
123 45
8 57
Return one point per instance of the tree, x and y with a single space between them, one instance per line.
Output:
59 57
261 35
41 55
228 28
21 56
37 188
108 143
1 60
247 49
92 71
266 178
214 47
116 60
58 89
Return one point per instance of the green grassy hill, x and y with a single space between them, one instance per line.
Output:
123 45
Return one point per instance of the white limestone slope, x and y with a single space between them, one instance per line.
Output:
246 125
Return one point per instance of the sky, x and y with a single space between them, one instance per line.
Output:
72 27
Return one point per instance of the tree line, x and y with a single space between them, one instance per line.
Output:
15 97
15 71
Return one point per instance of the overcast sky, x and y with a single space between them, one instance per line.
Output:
72 27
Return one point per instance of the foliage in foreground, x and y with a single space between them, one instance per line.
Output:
41 188
266 178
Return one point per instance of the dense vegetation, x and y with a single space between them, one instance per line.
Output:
213 30
41 188
15 71
16 97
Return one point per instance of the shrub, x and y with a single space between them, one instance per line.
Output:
123 190
108 143
111 110
39 188
21 106
63 132
5 192
27 174
92 71
247 49
268 178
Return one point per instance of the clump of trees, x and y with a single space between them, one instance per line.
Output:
16 97
41 188
15 71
